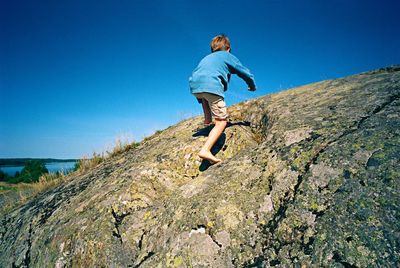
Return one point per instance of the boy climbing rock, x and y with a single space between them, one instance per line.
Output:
208 83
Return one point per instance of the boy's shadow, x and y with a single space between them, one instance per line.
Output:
205 164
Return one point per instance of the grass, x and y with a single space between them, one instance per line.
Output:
4 188
14 195
121 147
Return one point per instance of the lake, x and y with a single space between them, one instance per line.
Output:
52 167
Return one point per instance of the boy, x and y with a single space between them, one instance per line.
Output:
208 83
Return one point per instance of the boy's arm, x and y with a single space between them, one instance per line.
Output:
237 68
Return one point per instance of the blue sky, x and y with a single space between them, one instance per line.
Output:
76 75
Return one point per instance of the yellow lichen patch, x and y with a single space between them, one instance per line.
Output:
183 161
146 215
314 206
139 195
230 214
178 261
173 261
356 146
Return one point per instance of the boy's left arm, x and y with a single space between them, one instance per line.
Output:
244 73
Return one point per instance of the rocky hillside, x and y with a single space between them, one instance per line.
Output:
310 178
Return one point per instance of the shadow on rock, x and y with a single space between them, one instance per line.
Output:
206 130
240 123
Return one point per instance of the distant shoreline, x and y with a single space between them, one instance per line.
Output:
7 162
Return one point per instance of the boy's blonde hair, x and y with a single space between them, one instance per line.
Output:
220 42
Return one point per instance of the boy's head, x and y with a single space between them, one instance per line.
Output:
220 42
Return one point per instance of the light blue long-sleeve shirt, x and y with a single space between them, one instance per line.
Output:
213 73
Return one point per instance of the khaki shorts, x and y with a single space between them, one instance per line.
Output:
216 104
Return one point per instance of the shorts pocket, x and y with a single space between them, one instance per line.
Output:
221 104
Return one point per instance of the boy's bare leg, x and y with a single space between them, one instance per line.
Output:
207 112
205 151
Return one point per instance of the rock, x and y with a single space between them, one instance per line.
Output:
309 178
296 135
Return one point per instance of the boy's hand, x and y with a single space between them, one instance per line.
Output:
252 89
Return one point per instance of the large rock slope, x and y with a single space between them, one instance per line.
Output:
310 177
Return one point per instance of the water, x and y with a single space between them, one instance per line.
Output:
51 167
60 166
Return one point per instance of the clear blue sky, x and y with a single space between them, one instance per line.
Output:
75 75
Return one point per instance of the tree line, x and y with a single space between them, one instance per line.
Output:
31 172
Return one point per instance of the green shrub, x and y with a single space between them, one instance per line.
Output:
31 172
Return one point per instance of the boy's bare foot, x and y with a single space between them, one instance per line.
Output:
207 155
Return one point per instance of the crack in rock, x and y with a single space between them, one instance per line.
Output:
3 229
117 222
27 256
145 258
338 259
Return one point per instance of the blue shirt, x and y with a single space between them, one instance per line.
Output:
213 73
